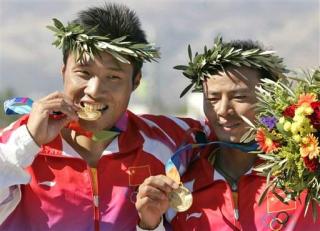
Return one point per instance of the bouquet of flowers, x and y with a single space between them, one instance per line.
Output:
287 131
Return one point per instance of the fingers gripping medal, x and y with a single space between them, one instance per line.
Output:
180 199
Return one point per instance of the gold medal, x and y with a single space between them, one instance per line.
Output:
180 199
89 115
174 175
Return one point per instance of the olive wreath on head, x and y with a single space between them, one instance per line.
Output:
75 38
224 54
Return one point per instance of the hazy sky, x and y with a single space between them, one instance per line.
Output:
31 65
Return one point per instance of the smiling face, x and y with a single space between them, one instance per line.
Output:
226 97
103 84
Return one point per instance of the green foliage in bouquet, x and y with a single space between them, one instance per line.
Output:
287 131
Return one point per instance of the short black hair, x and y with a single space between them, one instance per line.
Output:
251 45
112 20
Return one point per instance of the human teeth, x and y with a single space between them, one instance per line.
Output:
92 107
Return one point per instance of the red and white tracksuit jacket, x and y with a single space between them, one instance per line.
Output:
213 206
53 188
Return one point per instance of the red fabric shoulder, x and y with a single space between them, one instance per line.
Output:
178 129
6 132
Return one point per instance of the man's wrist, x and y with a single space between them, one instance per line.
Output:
144 226
32 136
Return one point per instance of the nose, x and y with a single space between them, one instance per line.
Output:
224 107
94 87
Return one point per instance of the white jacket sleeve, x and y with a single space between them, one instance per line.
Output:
160 227
16 153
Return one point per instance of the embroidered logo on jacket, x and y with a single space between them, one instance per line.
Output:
137 174
48 183
195 215
275 205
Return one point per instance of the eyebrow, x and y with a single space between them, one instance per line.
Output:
238 90
110 68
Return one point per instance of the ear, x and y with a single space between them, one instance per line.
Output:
63 71
136 81
205 87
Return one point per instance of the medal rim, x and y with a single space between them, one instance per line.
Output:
90 116
182 207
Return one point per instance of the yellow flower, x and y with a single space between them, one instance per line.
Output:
287 126
303 110
295 128
310 147
299 118
282 120
297 138
308 110
299 111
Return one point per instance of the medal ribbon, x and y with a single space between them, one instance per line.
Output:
180 160
181 199
23 105
18 106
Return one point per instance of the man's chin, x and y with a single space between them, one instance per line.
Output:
231 139
94 126
231 136
234 140
89 125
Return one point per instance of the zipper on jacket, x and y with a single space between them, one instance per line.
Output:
235 199
233 187
94 181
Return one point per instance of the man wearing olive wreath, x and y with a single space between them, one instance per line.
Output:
225 188
76 161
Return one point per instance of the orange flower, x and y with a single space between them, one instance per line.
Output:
266 144
310 147
306 99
